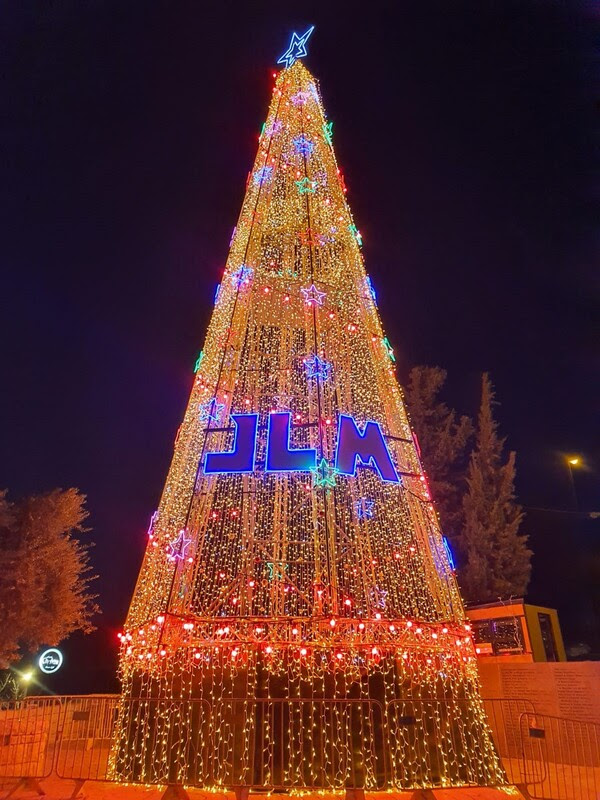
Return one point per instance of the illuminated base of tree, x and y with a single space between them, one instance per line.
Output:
301 715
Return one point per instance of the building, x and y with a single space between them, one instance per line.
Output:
516 630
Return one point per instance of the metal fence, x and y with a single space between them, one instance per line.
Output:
282 744
29 736
561 757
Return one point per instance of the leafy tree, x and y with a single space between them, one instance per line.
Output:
45 573
498 561
443 438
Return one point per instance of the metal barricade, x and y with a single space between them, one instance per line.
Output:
29 732
86 732
504 718
426 740
278 744
561 757
162 741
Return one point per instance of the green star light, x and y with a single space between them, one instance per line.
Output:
324 475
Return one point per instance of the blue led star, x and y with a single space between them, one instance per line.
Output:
449 554
211 410
312 296
370 289
303 145
297 48
317 368
306 186
242 276
363 508
178 547
263 175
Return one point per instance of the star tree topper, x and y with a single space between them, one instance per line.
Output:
297 48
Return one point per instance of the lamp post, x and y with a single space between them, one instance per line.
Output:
572 463
26 678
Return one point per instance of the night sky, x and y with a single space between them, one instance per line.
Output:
466 133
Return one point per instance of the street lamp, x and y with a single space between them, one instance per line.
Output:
26 678
573 462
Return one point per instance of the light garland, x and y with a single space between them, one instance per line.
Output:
298 628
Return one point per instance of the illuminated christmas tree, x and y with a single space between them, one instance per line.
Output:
296 621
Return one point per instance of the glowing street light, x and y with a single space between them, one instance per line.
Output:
573 461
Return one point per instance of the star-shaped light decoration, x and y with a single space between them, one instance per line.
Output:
300 98
303 145
324 475
178 546
242 276
211 410
378 597
263 175
283 401
312 296
364 508
356 233
152 525
317 368
272 567
306 186
369 287
328 131
199 361
297 48
275 127
389 349
308 237
449 554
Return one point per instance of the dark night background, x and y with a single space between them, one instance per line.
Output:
466 131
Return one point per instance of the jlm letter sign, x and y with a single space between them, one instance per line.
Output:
354 448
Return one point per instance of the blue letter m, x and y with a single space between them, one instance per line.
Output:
367 448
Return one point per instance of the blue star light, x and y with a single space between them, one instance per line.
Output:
242 276
312 296
303 145
317 368
449 555
263 175
297 48
211 410
370 289
364 508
